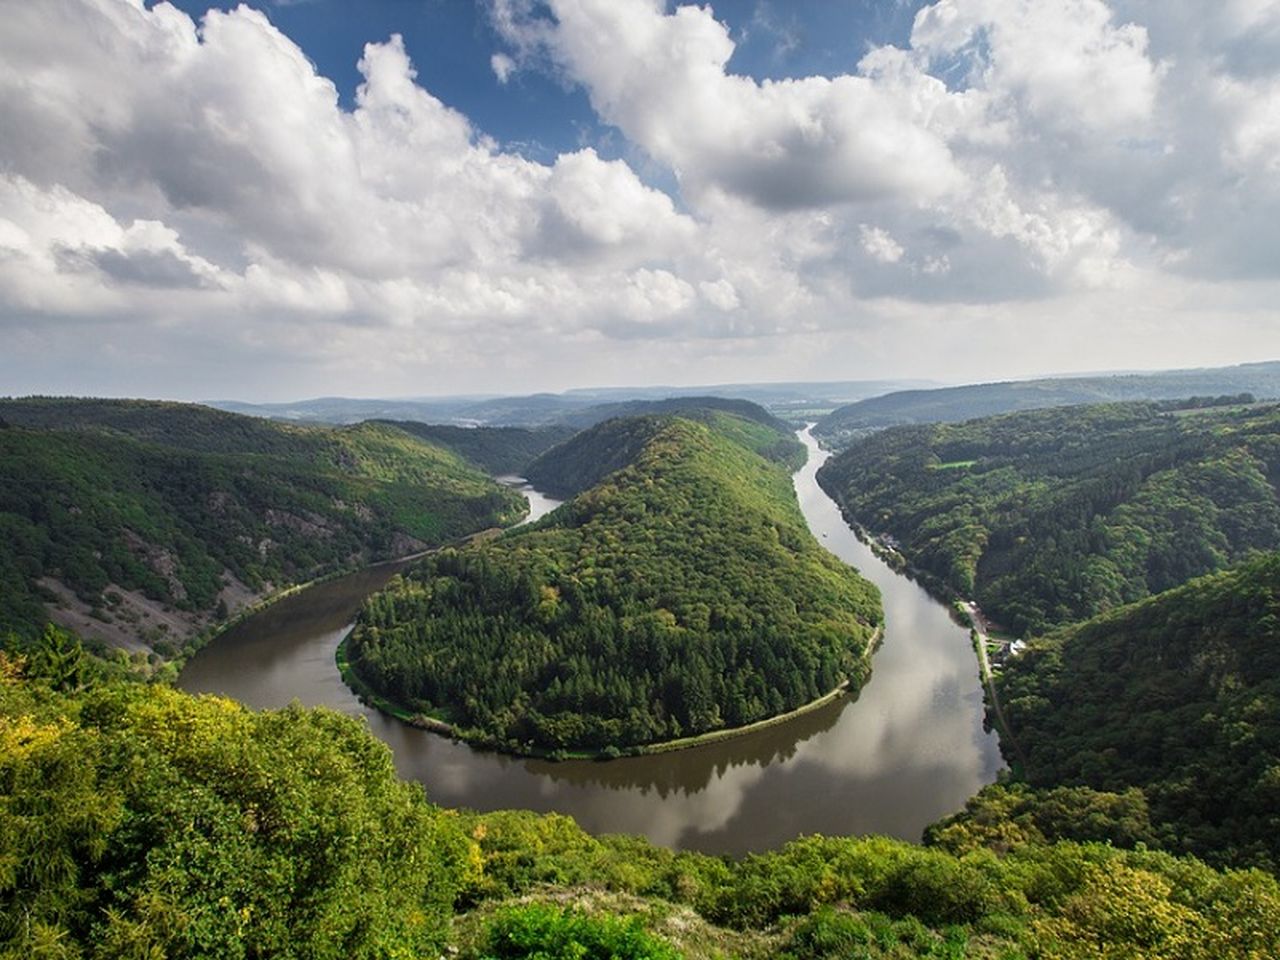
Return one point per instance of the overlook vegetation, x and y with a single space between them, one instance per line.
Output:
1178 696
195 510
1054 516
681 593
138 821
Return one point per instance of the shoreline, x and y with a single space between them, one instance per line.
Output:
376 701
212 633
964 611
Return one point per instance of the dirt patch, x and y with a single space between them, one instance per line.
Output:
130 620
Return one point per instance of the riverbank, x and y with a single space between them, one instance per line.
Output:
370 697
964 610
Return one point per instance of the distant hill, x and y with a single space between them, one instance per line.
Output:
135 521
953 404
501 451
1178 695
544 409
1051 516
679 592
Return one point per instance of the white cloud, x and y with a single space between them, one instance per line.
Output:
503 66
879 244
200 195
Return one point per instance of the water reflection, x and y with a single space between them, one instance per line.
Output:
908 750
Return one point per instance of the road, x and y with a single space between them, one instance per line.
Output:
982 628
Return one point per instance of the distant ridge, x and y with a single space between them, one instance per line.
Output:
952 404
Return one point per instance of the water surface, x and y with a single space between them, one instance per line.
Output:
908 750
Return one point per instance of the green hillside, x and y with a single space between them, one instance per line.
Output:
1178 695
501 451
136 821
953 404
125 513
1053 516
590 456
683 593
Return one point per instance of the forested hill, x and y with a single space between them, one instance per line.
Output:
682 594
953 404
593 454
136 821
1053 516
1178 695
142 523
501 451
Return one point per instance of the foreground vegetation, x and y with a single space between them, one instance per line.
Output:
1054 516
681 593
196 510
136 821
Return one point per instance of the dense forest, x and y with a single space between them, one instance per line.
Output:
127 509
1178 696
136 821
592 455
1053 516
500 451
682 593
952 404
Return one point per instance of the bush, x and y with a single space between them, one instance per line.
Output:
541 932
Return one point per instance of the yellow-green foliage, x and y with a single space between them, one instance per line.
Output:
136 821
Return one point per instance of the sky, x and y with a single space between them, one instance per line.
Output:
276 200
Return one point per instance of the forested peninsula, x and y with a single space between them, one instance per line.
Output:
143 523
679 593
1053 516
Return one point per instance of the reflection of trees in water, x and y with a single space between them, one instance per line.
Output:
693 770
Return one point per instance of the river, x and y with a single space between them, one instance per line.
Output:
908 750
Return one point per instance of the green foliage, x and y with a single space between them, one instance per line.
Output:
496 450
1054 516
1178 695
137 821
1007 815
167 499
583 461
542 932
875 897
681 594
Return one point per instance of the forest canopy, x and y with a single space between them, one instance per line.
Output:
1053 516
681 593
176 502
1178 696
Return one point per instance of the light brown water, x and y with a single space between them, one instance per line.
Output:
908 750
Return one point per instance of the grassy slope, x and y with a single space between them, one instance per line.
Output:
681 594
